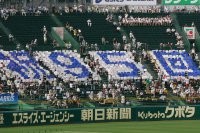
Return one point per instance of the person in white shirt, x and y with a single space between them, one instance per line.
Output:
91 95
196 57
131 35
103 40
35 42
168 31
44 30
89 22
124 39
193 45
123 100
118 28
45 38
193 52
126 15
66 9
71 85
119 18
173 30
23 12
10 37
100 95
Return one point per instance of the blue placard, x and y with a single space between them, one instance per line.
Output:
7 98
176 63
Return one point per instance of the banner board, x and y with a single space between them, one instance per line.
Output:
181 2
7 98
124 2
190 32
46 117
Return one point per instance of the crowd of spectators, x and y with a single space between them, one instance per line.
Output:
64 95
183 86
145 21
60 10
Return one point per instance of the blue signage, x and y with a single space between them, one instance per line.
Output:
7 98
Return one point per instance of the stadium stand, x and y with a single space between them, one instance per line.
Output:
93 35
111 72
150 34
26 29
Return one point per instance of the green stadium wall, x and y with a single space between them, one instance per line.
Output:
89 115
197 40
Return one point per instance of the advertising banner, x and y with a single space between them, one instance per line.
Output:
47 117
167 113
190 32
29 118
7 98
124 2
181 2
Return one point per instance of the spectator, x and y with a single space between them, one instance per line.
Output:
89 23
